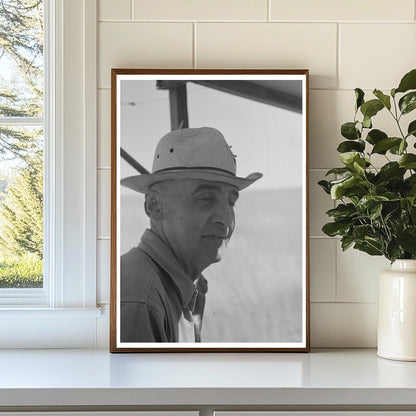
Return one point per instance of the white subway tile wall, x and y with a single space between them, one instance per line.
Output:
104 202
103 271
350 325
200 10
355 10
270 45
367 50
142 45
328 109
357 275
344 44
114 10
104 128
322 269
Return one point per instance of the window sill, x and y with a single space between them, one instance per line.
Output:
40 327
323 379
35 312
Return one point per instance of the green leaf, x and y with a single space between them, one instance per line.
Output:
368 248
407 239
375 212
383 145
399 148
408 161
342 211
349 158
361 231
375 243
371 108
336 228
325 186
391 170
375 136
349 146
338 190
402 147
359 166
342 179
369 201
393 250
411 130
411 184
338 171
391 212
385 99
408 102
408 82
393 196
412 202
413 211
393 92
359 95
346 242
411 180
354 161
350 131
367 122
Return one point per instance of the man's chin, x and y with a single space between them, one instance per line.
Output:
220 253
214 254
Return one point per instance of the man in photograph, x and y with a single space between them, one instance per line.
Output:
189 199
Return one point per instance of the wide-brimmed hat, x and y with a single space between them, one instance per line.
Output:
199 153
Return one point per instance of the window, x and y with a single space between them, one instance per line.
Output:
63 312
22 127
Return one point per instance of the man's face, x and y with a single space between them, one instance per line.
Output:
198 220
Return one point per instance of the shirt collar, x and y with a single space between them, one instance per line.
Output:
161 253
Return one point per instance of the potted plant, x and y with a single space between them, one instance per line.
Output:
376 209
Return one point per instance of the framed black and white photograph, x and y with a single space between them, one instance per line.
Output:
209 210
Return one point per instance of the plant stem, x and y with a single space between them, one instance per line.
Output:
397 118
386 229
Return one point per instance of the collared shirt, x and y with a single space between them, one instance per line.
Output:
159 302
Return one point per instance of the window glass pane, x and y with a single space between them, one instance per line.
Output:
21 146
21 210
21 58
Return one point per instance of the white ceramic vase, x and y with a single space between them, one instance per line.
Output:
397 312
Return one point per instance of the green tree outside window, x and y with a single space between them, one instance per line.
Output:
21 143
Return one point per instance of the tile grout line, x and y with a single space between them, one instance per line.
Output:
308 22
323 237
344 303
131 9
269 10
310 89
338 65
318 169
194 45
336 271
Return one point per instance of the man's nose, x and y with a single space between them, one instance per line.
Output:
224 214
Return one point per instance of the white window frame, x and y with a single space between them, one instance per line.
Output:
64 313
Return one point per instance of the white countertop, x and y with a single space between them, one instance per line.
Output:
96 377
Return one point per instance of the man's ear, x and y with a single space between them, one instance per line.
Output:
153 206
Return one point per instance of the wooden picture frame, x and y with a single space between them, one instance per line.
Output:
258 297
